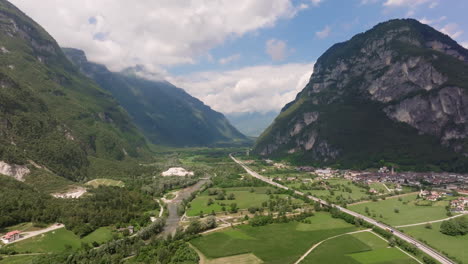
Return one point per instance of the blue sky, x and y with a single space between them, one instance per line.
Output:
236 56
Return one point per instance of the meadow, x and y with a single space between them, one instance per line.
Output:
455 246
274 243
58 240
402 211
244 198
358 248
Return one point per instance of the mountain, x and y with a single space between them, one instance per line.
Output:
167 115
396 94
52 116
252 124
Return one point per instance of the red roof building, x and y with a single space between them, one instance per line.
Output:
11 236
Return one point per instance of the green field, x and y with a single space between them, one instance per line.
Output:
409 213
56 241
105 182
243 198
17 259
356 194
454 245
359 248
275 243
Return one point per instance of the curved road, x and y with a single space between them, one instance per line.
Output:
426 249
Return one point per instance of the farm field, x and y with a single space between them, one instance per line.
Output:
58 240
105 182
409 212
455 246
27 259
339 193
359 248
275 243
244 199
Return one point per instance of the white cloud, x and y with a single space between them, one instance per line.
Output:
324 33
277 49
432 21
452 29
464 44
122 33
316 2
229 59
399 3
251 89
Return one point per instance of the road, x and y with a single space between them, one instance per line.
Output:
30 234
318 244
426 249
435 221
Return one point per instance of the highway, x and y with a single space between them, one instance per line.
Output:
426 249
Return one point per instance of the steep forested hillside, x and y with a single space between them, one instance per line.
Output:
50 113
166 114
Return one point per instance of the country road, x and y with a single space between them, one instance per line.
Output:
30 234
426 249
430 222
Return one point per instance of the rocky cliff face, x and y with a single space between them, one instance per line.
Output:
400 77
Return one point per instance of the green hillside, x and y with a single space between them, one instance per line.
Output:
49 112
167 115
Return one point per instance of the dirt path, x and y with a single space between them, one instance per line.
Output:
318 244
30 234
172 221
411 256
430 222
388 190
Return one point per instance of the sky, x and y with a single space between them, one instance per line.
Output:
236 56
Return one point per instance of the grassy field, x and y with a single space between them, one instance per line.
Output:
409 212
105 182
357 193
243 198
17 259
57 240
275 243
454 245
359 248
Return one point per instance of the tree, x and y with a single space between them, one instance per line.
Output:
233 208
428 226
231 196
396 210
209 202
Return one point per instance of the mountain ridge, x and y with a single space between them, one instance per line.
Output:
372 100
166 114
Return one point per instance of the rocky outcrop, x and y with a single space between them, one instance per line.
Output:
16 171
399 73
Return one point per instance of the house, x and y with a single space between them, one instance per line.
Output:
11 236
459 204
130 229
432 198
424 193
373 191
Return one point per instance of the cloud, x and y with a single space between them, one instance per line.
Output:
400 3
432 21
277 49
452 29
122 33
251 89
324 33
464 44
316 2
229 59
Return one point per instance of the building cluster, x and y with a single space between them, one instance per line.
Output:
11 236
431 195
460 204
